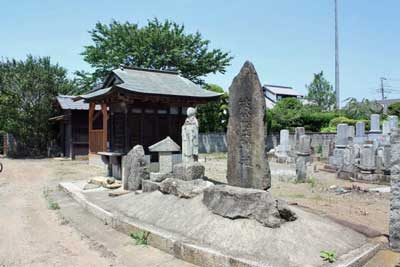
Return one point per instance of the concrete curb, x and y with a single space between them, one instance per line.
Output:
187 250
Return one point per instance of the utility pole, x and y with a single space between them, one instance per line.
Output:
382 89
337 87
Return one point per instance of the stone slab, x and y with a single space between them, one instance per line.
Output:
149 186
237 203
189 171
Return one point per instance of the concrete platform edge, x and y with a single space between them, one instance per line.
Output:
186 250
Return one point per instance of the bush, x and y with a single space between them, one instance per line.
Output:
315 121
334 122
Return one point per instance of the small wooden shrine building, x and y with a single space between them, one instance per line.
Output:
140 106
73 137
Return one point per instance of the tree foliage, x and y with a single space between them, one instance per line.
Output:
321 93
213 116
27 93
361 109
394 109
159 45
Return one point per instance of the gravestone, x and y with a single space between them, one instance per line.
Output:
394 223
190 137
360 137
375 127
385 128
136 169
247 163
282 151
303 157
342 135
351 131
393 122
284 140
367 159
299 131
360 129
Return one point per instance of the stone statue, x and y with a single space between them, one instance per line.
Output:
190 137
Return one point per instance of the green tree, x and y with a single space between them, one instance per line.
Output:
159 45
394 109
27 92
286 114
321 93
213 116
361 109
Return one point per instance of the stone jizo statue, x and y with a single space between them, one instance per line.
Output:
190 137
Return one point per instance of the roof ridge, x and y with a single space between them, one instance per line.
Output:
147 69
278 86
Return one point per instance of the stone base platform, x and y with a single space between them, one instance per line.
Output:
186 229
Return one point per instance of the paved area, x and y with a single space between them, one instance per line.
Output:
31 234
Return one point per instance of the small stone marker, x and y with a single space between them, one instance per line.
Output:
394 223
247 163
190 137
165 148
375 127
136 169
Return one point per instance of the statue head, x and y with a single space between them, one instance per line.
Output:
191 112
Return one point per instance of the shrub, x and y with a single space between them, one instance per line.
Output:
315 121
334 122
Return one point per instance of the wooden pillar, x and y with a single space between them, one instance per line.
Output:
105 126
91 112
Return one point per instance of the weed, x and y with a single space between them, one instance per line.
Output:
141 238
51 204
312 181
319 149
327 255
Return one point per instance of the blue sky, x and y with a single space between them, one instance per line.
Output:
287 40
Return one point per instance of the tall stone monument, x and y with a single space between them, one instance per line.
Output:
190 137
247 163
394 223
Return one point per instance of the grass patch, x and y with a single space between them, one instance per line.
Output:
141 238
51 203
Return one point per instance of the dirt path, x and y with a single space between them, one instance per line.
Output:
30 233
